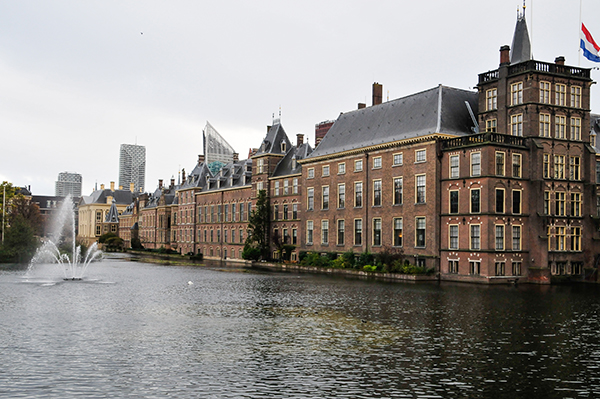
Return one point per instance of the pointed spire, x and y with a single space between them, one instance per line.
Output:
520 50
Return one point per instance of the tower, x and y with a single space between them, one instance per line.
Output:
132 166
68 183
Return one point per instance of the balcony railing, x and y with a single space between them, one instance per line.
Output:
538 66
483 138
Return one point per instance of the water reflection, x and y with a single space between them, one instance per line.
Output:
238 334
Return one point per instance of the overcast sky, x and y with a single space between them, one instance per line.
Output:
79 78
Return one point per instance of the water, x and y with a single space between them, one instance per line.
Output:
133 329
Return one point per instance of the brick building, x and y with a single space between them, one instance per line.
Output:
486 186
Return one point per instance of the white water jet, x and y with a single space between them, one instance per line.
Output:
63 228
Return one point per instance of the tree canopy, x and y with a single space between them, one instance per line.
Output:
258 227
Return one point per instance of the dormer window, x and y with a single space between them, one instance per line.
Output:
283 146
294 162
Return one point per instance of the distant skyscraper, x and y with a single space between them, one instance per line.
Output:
216 149
68 183
132 167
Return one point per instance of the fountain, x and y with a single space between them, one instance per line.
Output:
63 228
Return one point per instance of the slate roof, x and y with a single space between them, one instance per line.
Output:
100 196
595 129
233 174
271 144
113 214
286 165
438 110
521 46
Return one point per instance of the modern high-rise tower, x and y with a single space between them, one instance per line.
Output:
217 151
68 183
132 166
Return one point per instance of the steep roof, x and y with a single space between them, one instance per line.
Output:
113 214
521 46
287 166
271 144
100 196
438 110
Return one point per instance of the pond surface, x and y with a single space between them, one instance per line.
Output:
133 329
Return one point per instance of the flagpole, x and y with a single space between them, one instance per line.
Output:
578 30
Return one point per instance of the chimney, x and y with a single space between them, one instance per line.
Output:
172 183
560 60
182 175
131 187
160 183
377 93
236 157
299 139
112 186
200 158
121 187
101 186
504 55
362 105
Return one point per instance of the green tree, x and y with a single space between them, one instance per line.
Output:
30 212
258 225
19 242
7 192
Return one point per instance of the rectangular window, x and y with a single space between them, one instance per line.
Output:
341 195
398 188
516 202
294 236
560 238
310 193
546 166
575 238
561 92
546 202
325 198
324 232
516 238
454 201
453 266
341 227
341 168
545 92
376 162
420 189
285 212
560 127
420 232
499 200
491 97
397 232
516 90
575 168
516 165
475 200
294 211
275 212
276 193
286 188
234 212
576 96
357 231
295 187
559 203
454 166
576 129
475 237
499 268
326 170
544 125
227 215
576 204
516 125
311 173
420 155
377 232
358 186
559 166
358 165
500 163
309 232
260 165
475 164
453 242
376 192
398 159
500 237
474 267
491 125
516 268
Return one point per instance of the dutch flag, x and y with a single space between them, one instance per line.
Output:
588 45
